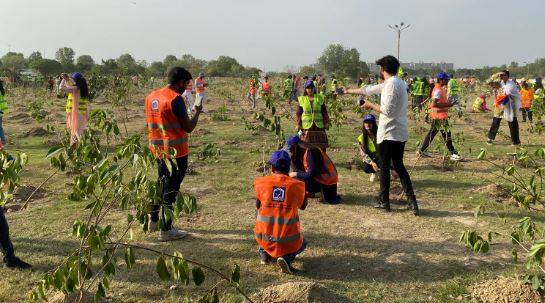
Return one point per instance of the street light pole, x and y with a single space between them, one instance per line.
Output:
398 28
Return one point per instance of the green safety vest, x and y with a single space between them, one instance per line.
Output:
400 72
312 113
477 104
3 105
418 88
370 145
453 87
82 106
288 84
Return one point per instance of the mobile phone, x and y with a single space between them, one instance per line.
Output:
361 101
340 91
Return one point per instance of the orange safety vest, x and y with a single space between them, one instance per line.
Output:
277 228
266 87
165 133
329 177
200 85
436 112
526 97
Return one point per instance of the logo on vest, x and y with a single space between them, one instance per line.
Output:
155 105
278 194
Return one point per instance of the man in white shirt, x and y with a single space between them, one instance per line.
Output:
393 130
510 109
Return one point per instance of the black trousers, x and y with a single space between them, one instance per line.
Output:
5 242
391 153
169 186
526 112
439 126
513 129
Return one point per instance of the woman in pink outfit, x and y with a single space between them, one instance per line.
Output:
80 106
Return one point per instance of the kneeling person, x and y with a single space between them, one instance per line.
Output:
278 200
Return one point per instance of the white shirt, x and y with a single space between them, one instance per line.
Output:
510 109
394 100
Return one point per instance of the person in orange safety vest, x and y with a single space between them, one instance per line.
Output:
278 200
168 128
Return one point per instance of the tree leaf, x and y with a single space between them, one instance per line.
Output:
162 269
198 275
235 274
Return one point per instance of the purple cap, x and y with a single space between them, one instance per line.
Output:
292 141
280 160
76 76
309 84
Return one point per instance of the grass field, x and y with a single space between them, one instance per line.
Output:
355 250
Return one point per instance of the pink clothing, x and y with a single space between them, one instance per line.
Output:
78 121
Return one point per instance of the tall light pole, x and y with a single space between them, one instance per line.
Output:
398 28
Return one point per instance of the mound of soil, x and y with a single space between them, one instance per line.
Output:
493 191
504 289
20 116
297 292
36 132
21 195
87 297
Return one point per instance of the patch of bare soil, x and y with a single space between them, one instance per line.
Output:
504 289
298 292
200 192
201 132
20 116
36 132
493 191
20 197
86 297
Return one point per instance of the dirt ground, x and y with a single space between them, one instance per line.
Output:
355 252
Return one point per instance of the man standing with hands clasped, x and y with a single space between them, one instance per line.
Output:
393 129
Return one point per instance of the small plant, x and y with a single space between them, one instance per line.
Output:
220 114
209 151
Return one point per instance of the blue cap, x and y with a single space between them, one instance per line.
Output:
292 141
76 76
369 118
280 160
442 76
309 84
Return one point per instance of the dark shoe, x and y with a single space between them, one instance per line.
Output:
337 200
383 206
413 206
284 266
16 263
265 259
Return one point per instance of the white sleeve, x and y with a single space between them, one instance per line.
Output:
387 104
372 89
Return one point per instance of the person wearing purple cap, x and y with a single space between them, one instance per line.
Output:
78 108
312 117
278 199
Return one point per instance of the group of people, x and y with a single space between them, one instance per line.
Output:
302 169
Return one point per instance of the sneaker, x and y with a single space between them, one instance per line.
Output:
383 206
489 142
456 157
171 235
423 154
373 177
284 266
16 263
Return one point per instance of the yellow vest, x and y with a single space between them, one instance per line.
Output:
370 144
312 114
82 106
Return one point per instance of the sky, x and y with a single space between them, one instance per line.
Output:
276 34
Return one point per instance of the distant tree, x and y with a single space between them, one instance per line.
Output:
157 69
170 61
13 63
85 63
34 57
192 64
47 67
108 67
342 62
308 70
224 66
66 55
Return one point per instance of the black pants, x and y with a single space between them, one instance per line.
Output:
513 129
169 186
439 126
5 242
329 191
391 153
526 112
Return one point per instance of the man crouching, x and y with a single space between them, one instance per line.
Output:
277 228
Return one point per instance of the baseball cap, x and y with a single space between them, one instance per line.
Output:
369 118
309 84
291 141
280 160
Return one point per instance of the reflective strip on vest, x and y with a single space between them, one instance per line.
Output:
164 126
277 220
167 142
278 240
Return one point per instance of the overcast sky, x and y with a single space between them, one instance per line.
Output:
278 33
